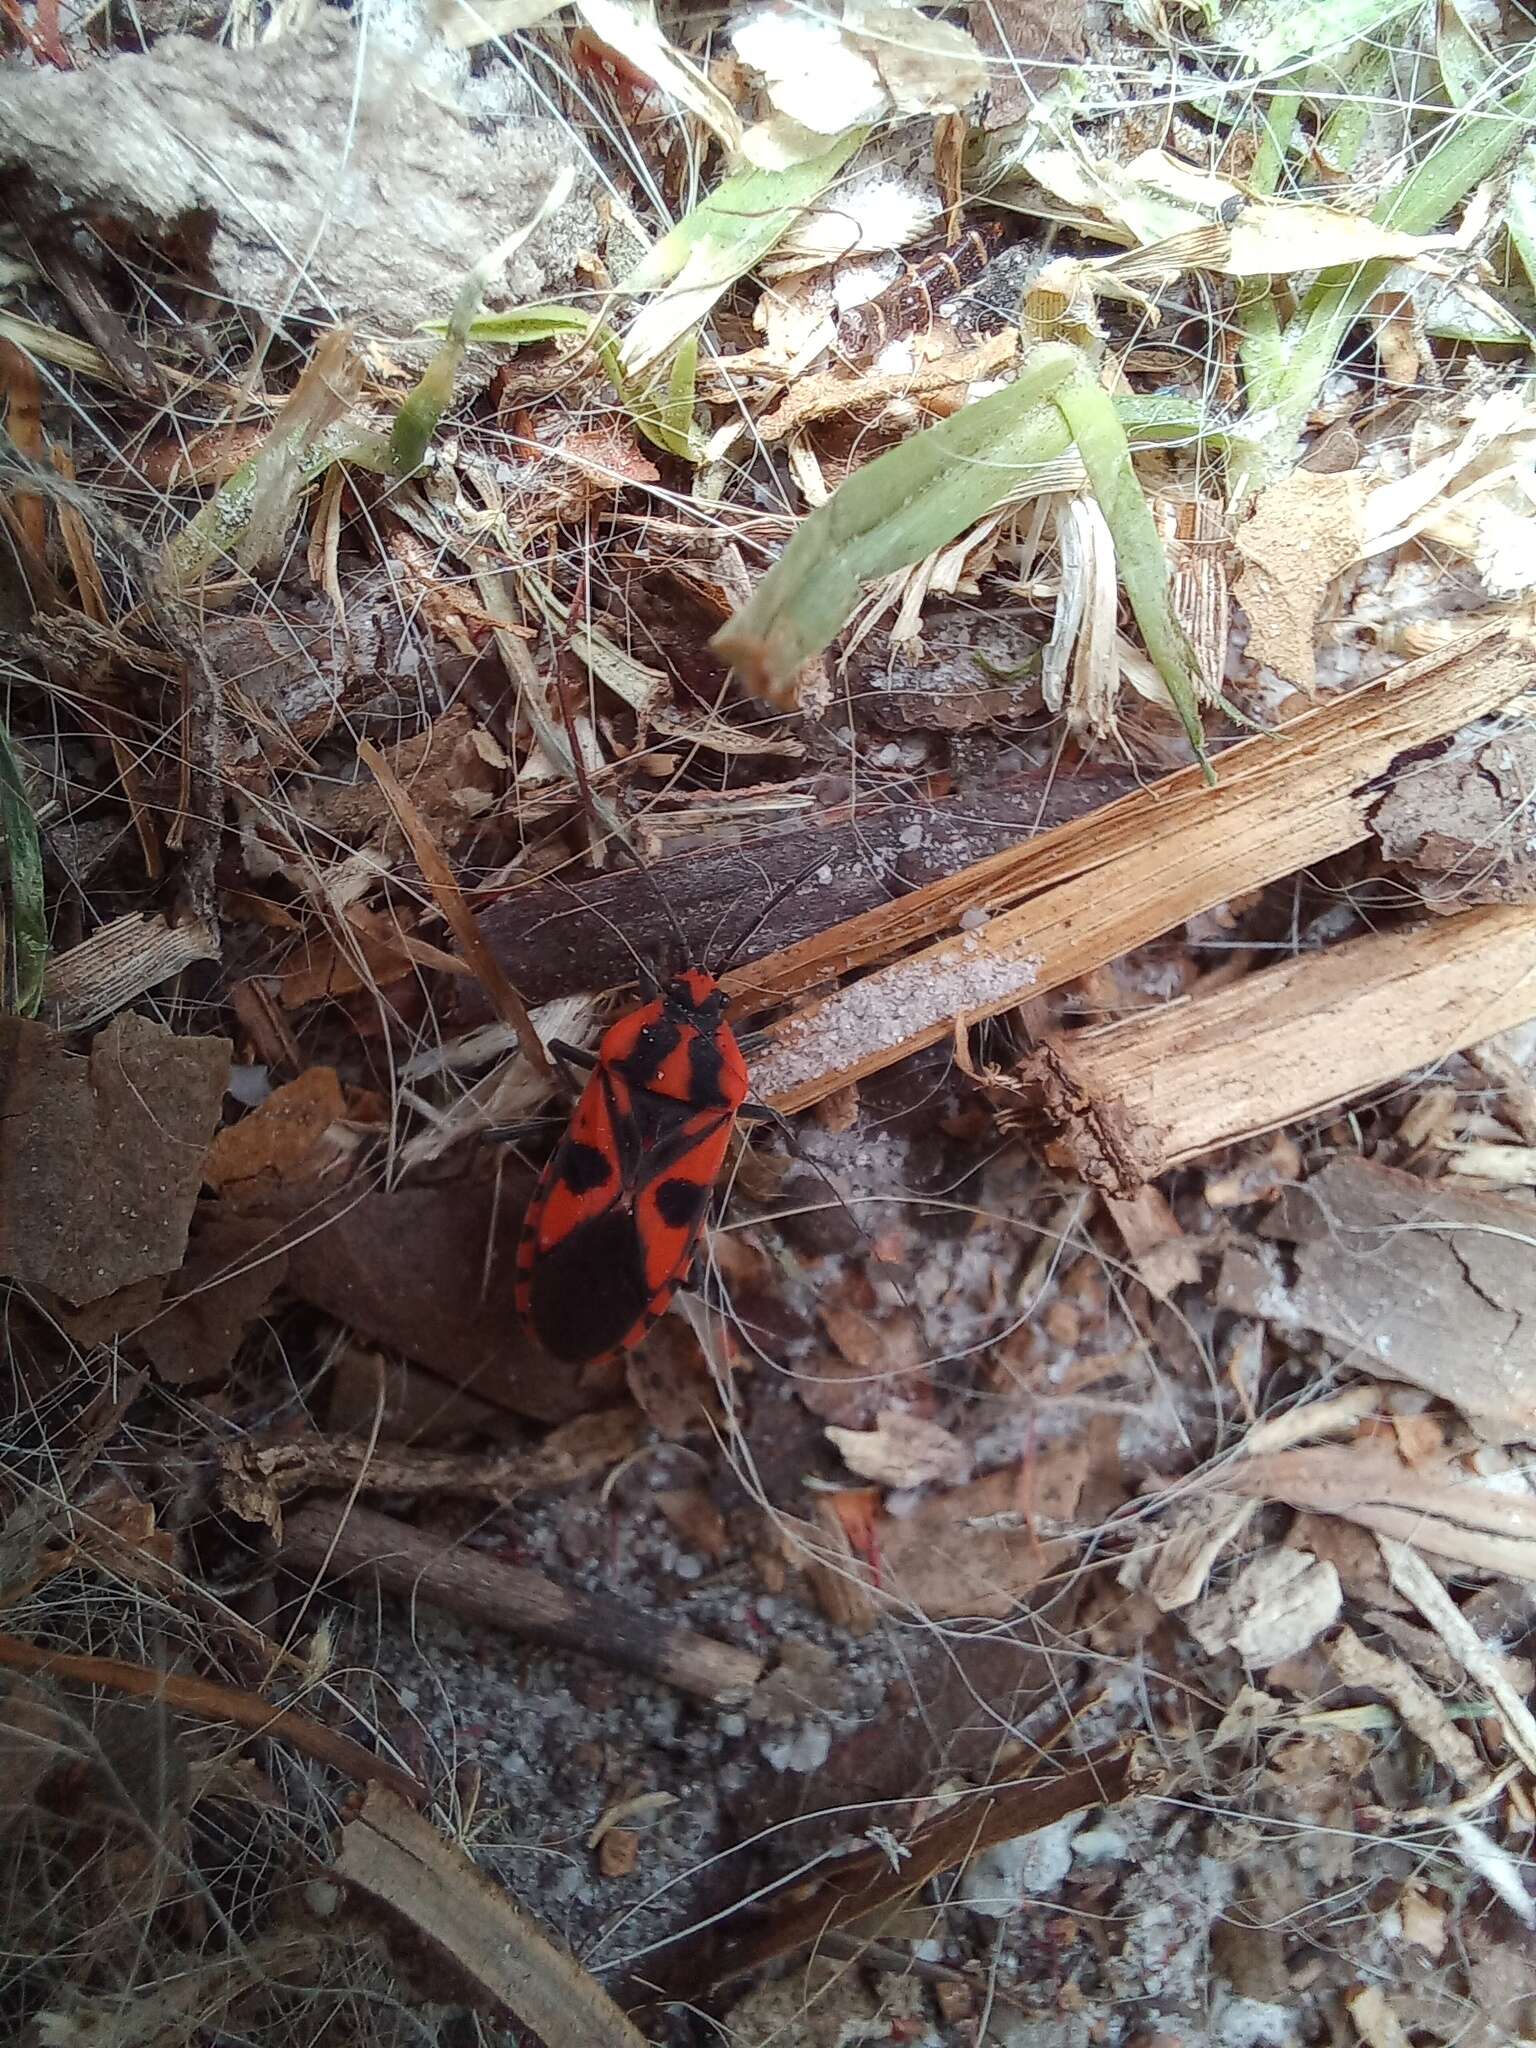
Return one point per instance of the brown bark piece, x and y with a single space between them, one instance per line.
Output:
232 1270
1211 1070
1418 1281
558 938
1461 826
103 1154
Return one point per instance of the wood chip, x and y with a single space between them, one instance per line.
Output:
117 964
1444 1510
1212 1070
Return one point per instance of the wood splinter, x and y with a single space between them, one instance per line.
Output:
1148 1092
342 1542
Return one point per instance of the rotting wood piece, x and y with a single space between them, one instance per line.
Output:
1086 893
798 1911
557 938
1282 1044
403 1560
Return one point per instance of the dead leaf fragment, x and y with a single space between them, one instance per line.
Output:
429 1271
696 1519
1416 1706
103 1154
903 1449
1304 532
1378 2025
1164 1257
279 1140
1459 827
976 1550
1277 1606
1423 1923
618 1853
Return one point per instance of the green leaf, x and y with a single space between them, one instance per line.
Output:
718 241
895 511
27 951
1101 441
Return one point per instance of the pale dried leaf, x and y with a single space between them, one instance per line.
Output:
1423 1923
973 1550
1185 1558
811 72
1304 532
1277 1606
1378 2025
903 1449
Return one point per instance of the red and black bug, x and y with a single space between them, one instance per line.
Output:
612 1228
614 1222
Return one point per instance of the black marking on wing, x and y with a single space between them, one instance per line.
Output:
704 1070
589 1290
682 1202
583 1168
657 1041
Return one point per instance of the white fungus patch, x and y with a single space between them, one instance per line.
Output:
1010 1874
890 1009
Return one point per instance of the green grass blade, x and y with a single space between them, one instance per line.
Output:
27 950
893 512
1101 441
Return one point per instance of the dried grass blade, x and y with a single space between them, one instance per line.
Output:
27 927
214 1702
449 898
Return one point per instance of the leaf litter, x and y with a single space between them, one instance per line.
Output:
425 471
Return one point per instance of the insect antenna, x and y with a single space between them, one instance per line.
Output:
785 889
622 842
